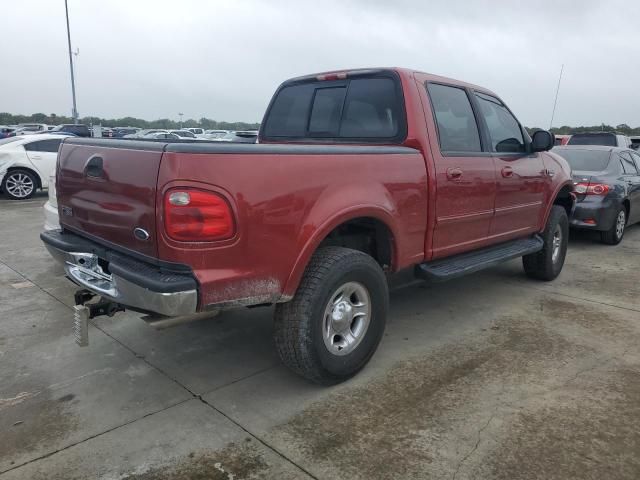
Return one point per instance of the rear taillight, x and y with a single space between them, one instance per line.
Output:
584 188
193 215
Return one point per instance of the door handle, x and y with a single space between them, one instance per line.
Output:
507 172
454 173
36 157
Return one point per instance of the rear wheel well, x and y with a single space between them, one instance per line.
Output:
366 234
627 207
564 199
30 170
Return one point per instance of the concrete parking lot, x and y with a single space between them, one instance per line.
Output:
493 376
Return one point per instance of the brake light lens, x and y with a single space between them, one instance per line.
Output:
332 76
193 215
584 188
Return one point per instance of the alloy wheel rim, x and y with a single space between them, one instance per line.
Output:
621 221
346 318
557 244
19 185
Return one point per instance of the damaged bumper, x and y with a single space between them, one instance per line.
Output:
122 279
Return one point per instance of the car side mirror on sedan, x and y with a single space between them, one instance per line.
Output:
542 141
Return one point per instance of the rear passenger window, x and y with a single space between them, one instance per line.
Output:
457 127
627 164
636 159
504 130
43 146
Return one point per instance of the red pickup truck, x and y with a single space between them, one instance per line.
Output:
357 175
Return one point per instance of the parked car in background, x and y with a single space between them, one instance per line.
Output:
608 139
607 184
161 135
183 133
51 220
248 136
26 163
195 131
215 134
77 129
562 139
384 170
119 132
30 128
6 131
142 133
55 132
635 142
106 132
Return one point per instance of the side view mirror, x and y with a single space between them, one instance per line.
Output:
542 141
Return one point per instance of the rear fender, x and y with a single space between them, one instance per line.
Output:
323 219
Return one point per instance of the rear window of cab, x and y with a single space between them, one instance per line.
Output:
363 109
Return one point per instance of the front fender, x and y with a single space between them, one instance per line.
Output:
561 180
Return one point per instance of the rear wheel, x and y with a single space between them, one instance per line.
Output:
334 323
547 263
614 235
19 184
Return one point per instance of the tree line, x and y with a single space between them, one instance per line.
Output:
622 128
209 124
165 123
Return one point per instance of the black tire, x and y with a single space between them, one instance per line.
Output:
542 265
299 324
613 236
15 192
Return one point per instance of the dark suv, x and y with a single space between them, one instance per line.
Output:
77 129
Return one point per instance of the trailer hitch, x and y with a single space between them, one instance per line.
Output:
85 310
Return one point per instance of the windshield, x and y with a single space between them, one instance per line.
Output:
586 160
607 139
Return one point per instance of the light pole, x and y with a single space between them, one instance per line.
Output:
181 114
74 111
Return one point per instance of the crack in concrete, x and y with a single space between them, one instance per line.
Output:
66 447
161 371
514 405
477 444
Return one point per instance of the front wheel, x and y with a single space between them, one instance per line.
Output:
547 263
334 323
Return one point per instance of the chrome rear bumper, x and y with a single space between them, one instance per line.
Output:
84 269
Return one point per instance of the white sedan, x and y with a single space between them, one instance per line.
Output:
26 162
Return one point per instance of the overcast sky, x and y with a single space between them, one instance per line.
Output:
224 59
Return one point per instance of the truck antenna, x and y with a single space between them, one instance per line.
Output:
555 102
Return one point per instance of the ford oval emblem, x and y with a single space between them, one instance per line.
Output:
140 233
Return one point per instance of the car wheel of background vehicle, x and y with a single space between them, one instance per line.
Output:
19 184
547 263
336 319
614 235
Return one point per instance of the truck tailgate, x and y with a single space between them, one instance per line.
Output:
107 189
